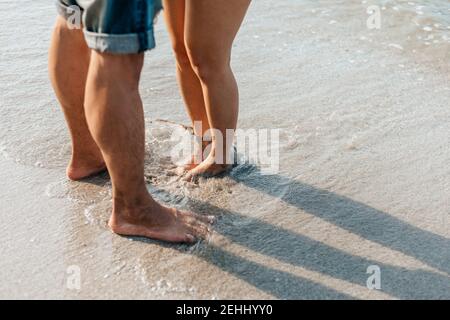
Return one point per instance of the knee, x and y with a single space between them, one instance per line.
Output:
209 65
181 56
124 70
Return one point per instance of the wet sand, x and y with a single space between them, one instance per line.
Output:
364 177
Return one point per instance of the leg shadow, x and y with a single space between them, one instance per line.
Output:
353 216
277 283
301 251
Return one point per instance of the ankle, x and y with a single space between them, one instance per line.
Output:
86 163
130 203
126 212
83 157
220 157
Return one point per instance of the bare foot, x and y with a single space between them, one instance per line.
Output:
85 167
160 223
208 168
192 162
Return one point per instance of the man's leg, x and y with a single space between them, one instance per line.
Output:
68 67
115 117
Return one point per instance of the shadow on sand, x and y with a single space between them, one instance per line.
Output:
301 251
355 217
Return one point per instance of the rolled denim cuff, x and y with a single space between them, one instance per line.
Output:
118 43
135 36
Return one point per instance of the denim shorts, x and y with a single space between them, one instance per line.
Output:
113 26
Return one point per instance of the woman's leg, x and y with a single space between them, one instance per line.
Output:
191 89
210 29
